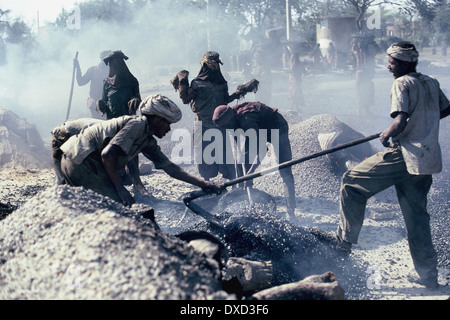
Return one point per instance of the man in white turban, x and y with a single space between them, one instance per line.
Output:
412 155
403 52
160 105
93 158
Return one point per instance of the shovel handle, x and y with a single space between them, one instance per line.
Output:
296 161
197 194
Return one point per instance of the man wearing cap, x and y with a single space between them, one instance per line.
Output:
95 76
206 92
256 116
93 158
411 157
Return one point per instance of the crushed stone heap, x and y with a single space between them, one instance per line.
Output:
21 144
71 243
313 178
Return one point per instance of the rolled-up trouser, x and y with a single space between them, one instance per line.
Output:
375 174
90 174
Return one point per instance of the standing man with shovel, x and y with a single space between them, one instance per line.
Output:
417 105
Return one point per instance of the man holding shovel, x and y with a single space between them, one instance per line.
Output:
417 105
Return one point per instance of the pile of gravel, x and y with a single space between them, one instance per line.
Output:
313 178
20 143
71 243
295 252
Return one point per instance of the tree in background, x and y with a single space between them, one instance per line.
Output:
435 15
14 32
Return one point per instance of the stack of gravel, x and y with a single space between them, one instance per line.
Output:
313 178
20 143
71 243
295 252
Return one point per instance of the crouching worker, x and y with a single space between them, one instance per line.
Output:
93 158
257 116
69 128
60 135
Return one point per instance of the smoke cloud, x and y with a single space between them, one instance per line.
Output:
159 41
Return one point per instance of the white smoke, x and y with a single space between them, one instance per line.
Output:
35 83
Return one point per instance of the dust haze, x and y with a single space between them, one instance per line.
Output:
35 83
160 41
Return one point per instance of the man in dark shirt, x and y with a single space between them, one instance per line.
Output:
257 116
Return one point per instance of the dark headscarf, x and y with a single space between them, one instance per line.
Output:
119 74
210 70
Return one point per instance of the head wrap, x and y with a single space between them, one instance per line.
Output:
408 54
159 105
222 115
115 54
211 59
104 54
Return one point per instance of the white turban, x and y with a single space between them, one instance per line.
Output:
159 105
405 54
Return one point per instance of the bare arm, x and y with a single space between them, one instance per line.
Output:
133 170
110 155
396 127
82 79
176 172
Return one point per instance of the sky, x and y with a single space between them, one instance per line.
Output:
28 9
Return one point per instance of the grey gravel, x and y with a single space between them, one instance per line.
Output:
70 243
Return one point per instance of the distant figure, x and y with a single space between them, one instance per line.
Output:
95 76
297 69
261 70
317 56
332 56
364 48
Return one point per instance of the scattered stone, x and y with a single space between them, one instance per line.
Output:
20 143
317 287
251 275
70 243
